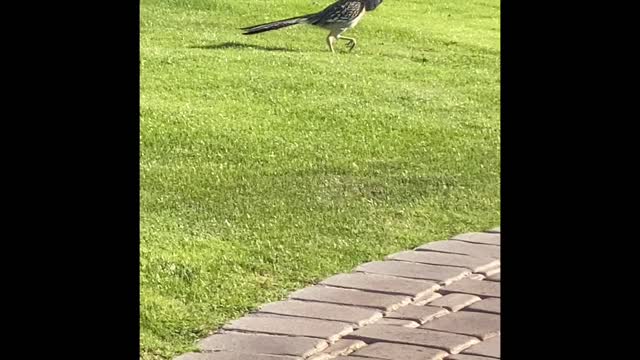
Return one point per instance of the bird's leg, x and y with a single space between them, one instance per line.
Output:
331 39
352 42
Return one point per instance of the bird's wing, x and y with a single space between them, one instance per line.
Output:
370 5
339 12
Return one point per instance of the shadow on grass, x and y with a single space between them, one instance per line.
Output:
236 45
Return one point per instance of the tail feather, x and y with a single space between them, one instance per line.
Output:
275 25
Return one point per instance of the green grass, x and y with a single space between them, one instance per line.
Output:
268 163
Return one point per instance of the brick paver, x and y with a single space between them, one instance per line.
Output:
474 287
450 342
333 295
398 322
382 350
468 357
489 305
472 263
491 271
263 344
341 347
423 300
463 248
476 276
233 356
455 301
419 314
479 238
439 301
442 274
328 330
382 283
480 325
350 314
490 348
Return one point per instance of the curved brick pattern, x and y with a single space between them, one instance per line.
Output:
398 322
351 297
391 351
479 238
233 356
341 347
327 330
382 283
489 305
494 277
423 300
454 302
263 344
419 314
489 348
474 287
453 343
480 325
467 357
349 314
443 274
463 248
454 285
474 264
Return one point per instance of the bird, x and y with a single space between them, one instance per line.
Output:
337 18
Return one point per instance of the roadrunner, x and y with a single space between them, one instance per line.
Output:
337 18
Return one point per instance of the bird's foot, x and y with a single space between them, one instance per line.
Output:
351 44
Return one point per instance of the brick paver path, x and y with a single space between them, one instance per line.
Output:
439 301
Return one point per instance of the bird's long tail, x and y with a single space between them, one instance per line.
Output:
256 29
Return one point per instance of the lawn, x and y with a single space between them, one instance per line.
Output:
267 163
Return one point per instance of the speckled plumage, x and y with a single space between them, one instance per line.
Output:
337 18
341 12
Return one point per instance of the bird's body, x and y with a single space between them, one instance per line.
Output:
337 18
